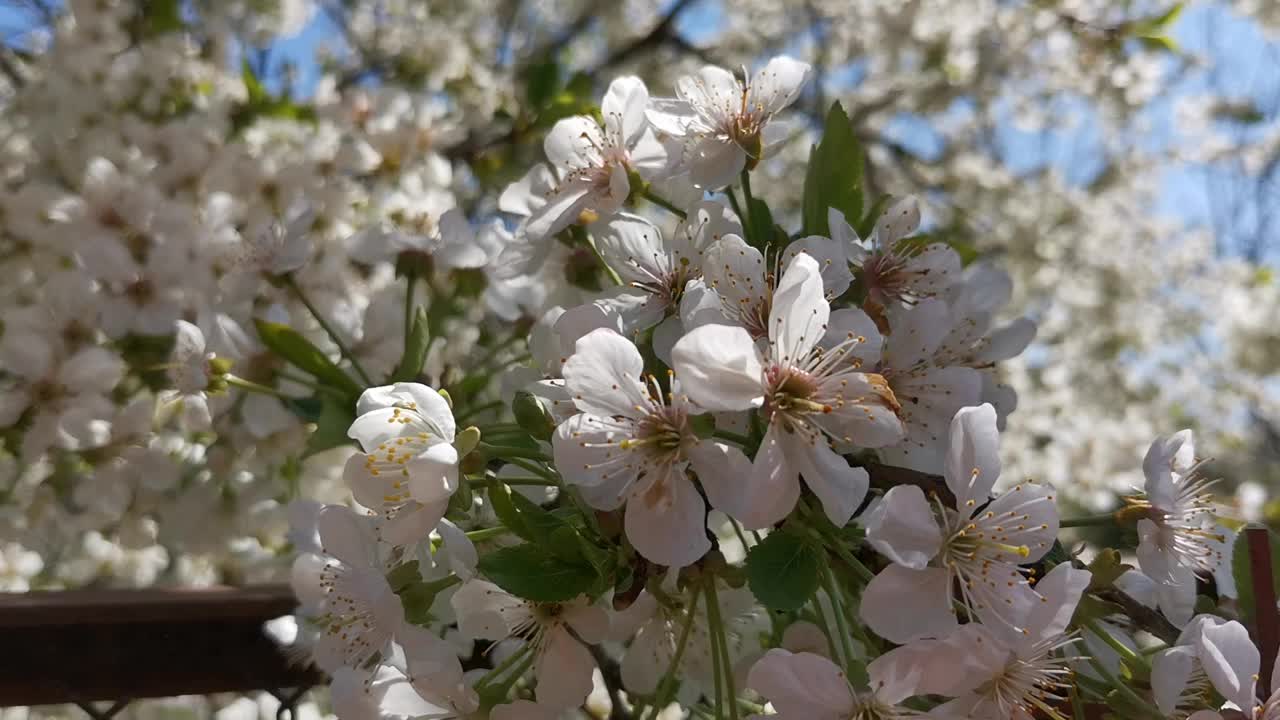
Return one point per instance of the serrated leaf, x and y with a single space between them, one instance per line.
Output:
293 347
783 571
1242 570
540 523
415 349
834 176
535 573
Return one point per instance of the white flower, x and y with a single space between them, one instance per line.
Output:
726 124
811 396
592 162
1177 538
975 547
409 468
562 665
1018 678
280 247
632 443
888 271
655 272
358 613
1221 653
804 686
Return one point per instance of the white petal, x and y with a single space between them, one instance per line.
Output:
587 453
916 333
1231 661
603 375
902 527
899 220
668 528
623 107
719 368
1061 589
433 474
802 685
770 491
1170 671
486 611
798 318
591 622
563 670
345 535
852 325
973 460
716 163
778 83
839 486
633 247
833 264
901 604
722 470
736 271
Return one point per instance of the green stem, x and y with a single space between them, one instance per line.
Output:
324 325
613 274
1089 521
1124 651
842 622
1139 704
734 437
507 452
473 411
663 203
533 468
410 282
487 533
249 385
720 639
748 201
666 686
821 618
515 659
517 481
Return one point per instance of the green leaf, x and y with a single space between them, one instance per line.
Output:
292 346
783 570
332 424
415 349
1242 570
761 232
535 573
541 79
162 16
1159 42
834 176
522 515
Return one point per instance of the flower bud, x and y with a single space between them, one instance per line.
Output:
532 416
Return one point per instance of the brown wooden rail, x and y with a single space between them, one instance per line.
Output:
80 646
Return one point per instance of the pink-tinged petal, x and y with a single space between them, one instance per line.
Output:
901 604
801 686
1061 590
667 522
973 460
839 486
799 315
1231 661
563 671
769 491
722 469
719 368
603 375
902 527
591 622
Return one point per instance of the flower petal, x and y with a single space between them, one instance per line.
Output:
719 368
901 604
902 527
973 461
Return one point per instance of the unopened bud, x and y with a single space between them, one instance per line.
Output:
220 365
467 440
532 415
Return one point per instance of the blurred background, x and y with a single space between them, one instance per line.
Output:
1121 159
